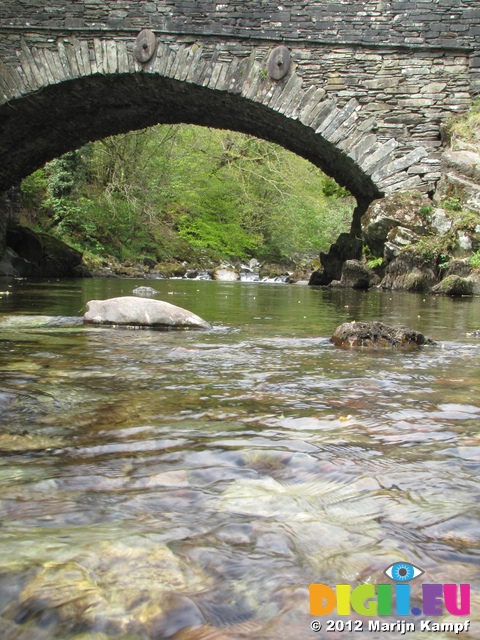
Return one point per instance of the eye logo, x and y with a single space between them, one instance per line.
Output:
403 571
368 599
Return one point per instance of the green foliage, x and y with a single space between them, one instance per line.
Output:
475 260
435 248
374 263
443 261
466 220
465 127
262 74
452 204
174 191
331 188
34 188
425 211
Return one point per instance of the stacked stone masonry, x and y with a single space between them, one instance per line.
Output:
370 84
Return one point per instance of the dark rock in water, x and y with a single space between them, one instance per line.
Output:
179 612
377 335
474 334
319 278
356 275
454 286
141 312
31 254
347 247
410 272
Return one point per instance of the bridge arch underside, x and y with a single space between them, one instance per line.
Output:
64 116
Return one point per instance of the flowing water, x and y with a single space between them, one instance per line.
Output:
193 484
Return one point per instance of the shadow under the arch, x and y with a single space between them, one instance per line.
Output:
62 117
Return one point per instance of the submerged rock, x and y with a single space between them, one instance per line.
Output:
377 335
120 587
20 443
141 312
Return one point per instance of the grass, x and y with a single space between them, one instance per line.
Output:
465 128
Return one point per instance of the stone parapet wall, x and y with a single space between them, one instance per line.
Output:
444 23
408 24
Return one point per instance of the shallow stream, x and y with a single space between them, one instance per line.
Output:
193 484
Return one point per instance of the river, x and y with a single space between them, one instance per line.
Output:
193 484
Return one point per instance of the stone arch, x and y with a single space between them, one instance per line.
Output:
58 97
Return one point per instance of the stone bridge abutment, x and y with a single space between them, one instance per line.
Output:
361 89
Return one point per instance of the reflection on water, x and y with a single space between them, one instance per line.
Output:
191 485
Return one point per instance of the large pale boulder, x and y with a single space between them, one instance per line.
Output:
141 312
226 274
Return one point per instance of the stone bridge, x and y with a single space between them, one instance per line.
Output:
360 88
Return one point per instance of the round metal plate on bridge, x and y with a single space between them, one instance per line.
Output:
279 62
145 45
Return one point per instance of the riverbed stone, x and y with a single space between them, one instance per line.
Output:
377 335
120 586
144 292
474 278
141 312
454 286
225 274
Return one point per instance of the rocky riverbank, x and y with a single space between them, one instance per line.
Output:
31 254
412 243
253 271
